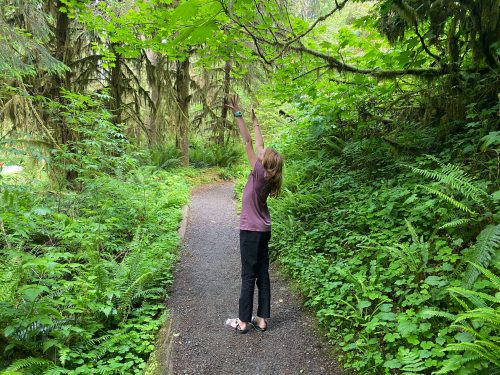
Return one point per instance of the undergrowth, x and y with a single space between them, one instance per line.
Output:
84 275
396 250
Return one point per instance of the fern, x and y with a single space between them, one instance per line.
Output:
448 199
412 231
486 350
484 314
427 314
413 256
495 280
456 178
455 362
477 298
482 323
411 363
486 245
468 294
30 363
455 223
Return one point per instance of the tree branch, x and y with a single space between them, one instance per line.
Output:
422 42
342 67
311 71
313 25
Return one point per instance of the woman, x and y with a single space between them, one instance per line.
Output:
255 226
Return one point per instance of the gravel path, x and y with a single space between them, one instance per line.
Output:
206 291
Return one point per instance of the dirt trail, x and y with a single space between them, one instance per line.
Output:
206 292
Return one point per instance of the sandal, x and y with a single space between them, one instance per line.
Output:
256 325
235 324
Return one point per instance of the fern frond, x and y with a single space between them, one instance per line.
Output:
455 223
483 314
466 327
148 294
486 245
495 280
449 199
456 362
456 178
459 180
56 371
349 276
476 347
412 231
30 362
476 298
409 257
460 302
97 341
427 314
134 287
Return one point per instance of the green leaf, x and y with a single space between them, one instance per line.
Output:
393 363
31 292
435 281
406 328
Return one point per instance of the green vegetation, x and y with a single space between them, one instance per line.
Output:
83 272
386 113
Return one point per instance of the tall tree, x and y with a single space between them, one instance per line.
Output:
183 98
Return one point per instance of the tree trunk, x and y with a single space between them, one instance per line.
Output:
182 80
224 111
154 69
60 81
115 85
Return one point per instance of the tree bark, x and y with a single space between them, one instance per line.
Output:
155 86
182 80
115 86
224 110
60 81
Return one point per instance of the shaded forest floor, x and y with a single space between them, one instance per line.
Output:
206 292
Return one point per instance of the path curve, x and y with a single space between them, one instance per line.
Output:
206 291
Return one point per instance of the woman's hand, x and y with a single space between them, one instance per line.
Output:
234 103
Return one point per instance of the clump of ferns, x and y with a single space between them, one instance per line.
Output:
479 320
474 204
451 177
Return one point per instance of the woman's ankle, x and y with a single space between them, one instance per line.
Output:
260 321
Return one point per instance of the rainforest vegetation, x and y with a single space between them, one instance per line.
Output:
386 112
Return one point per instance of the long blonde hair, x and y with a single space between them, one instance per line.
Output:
273 164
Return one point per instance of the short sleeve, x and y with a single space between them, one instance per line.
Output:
259 171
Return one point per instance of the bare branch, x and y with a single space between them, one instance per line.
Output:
311 71
422 42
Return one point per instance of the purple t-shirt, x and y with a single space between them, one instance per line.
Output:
254 212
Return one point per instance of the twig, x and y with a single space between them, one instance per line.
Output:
422 42
310 71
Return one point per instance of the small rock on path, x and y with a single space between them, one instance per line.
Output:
206 292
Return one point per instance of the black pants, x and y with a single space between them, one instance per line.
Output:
254 269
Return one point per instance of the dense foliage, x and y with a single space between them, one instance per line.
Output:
83 272
389 222
386 112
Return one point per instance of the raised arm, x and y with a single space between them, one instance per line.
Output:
247 139
259 140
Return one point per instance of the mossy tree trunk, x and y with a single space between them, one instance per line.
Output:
182 81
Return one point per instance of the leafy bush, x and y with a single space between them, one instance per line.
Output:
211 155
376 237
83 276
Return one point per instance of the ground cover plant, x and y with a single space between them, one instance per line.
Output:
84 271
396 251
